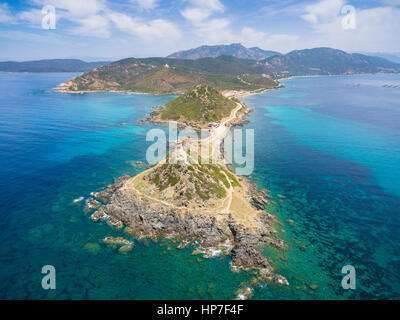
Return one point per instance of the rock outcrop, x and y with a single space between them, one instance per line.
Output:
144 218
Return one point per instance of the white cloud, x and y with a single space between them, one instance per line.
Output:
75 9
213 5
212 30
195 15
323 11
199 10
280 42
206 22
157 28
95 25
199 14
377 29
95 18
5 14
87 15
252 37
146 4
33 16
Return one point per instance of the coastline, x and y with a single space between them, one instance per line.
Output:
63 88
238 94
228 93
130 203
303 194
336 75
60 90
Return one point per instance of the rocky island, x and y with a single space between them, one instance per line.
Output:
193 197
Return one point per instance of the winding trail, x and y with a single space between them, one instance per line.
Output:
230 193
218 134
215 139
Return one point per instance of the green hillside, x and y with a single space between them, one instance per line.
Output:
166 75
203 104
163 75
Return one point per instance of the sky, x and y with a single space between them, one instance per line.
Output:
110 30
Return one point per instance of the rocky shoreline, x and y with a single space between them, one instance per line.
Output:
143 218
212 230
154 118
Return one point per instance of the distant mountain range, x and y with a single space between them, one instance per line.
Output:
326 61
394 57
235 50
168 75
51 65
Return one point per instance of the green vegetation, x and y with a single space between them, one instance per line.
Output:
166 177
202 104
188 195
196 181
226 72
231 177
173 180
163 75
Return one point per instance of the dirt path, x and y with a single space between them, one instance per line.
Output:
230 193
218 134
215 139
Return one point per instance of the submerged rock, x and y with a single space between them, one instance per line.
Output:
92 247
118 240
125 248
126 244
183 244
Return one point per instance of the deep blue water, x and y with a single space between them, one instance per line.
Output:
330 145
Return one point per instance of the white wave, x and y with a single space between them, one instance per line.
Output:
78 199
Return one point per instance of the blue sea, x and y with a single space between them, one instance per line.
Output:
326 147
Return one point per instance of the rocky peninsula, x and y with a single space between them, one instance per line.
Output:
197 201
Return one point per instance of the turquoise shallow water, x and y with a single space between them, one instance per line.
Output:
56 148
329 144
